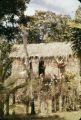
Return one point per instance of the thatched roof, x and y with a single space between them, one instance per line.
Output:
42 50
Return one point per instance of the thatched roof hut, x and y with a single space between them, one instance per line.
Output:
42 50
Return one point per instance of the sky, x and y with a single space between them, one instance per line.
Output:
65 7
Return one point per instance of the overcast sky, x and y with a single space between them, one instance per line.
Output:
67 7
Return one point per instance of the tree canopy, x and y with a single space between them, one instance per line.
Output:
78 15
11 13
79 0
49 27
76 41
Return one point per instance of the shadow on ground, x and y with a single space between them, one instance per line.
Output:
29 117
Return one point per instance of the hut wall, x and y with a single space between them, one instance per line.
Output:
35 63
51 67
72 65
17 66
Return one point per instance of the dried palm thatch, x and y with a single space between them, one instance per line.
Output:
42 50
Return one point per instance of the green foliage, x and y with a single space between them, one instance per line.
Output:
79 0
76 42
69 76
25 99
12 7
12 14
76 31
33 36
71 81
78 15
5 61
49 27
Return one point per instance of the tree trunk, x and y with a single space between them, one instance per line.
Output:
64 104
32 107
14 98
25 42
60 103
1 106
39 103
7 104
27 108
55 105
80 66
1 95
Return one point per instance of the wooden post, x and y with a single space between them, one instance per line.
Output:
60 103
14 98
7 104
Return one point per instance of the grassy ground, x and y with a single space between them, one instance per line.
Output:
70 115
55 117
20 109
58 116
